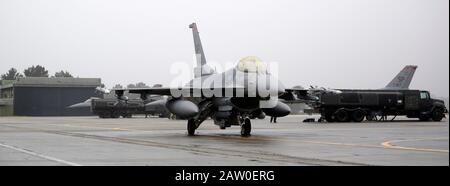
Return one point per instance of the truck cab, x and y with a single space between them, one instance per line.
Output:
431 108
426 103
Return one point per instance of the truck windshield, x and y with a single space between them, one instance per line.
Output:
424 95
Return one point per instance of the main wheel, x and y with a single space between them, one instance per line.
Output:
191 127
341 115
437 114
358 115
246 128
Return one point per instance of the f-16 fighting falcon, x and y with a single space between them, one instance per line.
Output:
232 97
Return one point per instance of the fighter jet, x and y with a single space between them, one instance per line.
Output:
232 97
122 105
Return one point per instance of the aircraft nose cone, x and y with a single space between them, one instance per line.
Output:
86 103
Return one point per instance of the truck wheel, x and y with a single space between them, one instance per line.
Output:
424 118
104 115
329 118
341 115
357 115
328 114
437 114
115 115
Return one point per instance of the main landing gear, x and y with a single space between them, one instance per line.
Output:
246 127
191 126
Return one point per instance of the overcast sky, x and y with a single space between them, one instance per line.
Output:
331 43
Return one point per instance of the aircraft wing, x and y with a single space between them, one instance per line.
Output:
148 91
298 90
177 92
292 94
301 94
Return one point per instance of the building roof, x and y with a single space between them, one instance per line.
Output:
6 82
56 82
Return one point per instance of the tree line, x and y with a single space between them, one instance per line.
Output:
33 71
40 71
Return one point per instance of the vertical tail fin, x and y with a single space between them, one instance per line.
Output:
201 60
403 78
202 69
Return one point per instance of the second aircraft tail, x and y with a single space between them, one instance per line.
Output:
403 78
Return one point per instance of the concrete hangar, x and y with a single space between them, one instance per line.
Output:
42 96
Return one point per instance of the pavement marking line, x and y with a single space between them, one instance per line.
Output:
385 145
39 155
83 126
389 144
92 127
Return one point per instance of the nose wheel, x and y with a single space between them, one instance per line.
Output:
246 127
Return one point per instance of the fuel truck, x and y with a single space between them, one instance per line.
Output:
357 105
395 99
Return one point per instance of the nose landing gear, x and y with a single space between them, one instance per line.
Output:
246 127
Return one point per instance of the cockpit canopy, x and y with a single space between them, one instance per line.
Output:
252 64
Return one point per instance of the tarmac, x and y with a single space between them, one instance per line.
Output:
84 141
